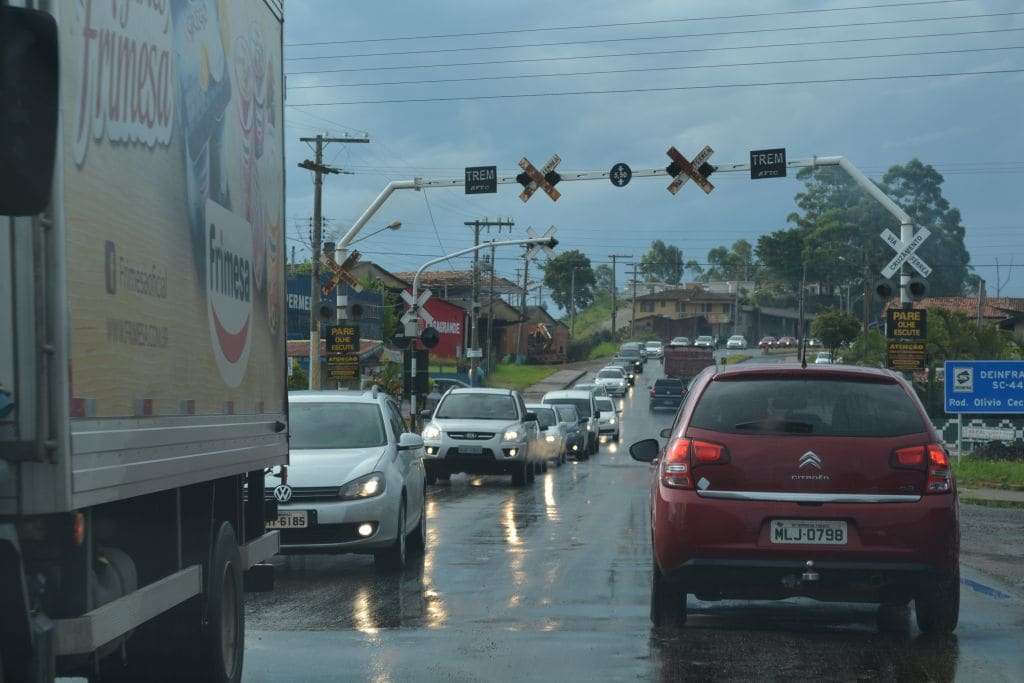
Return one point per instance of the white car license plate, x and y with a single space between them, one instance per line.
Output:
291 519
471 450
808 532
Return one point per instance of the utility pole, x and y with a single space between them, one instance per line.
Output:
981 299
867 293
632 310
319 170
522 303
490 316
801 353
474 334
615 292
572 302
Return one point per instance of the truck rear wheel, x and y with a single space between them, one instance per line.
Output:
224 635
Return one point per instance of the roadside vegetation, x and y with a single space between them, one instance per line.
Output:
518 377
976 473
735 358
605 349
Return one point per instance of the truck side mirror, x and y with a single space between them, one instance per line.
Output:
29 73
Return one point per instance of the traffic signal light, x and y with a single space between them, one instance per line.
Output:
884 290
429 337
355 311
328 311
917 288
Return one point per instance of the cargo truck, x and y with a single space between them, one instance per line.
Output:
142 336
685 362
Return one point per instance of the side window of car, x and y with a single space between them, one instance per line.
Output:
396 420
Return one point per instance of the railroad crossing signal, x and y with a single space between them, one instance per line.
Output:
416 312
545 179
620 174
535 249
905 253
683 170
340 273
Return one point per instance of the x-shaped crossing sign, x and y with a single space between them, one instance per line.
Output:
683 170
417 310
546 178
535 249
905 253
340 273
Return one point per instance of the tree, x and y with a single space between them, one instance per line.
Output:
604 281
731 263
781 256
298 379
558 278
662 262
835 328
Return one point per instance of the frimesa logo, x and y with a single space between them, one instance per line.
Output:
229 290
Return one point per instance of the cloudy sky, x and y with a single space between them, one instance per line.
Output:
696 71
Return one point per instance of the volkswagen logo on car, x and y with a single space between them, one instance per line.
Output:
283 493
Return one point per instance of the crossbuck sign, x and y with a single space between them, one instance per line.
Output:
416 312
905 253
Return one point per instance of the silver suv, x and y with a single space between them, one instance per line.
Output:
482 431
589 415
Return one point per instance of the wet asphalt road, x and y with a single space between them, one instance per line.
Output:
551 583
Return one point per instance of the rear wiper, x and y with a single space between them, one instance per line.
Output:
790 426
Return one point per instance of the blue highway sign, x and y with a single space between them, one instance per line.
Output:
984 386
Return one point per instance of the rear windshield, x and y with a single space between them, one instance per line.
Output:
668 384
582 404
567 413
610 374
824 407
604 404
335 425
629 353
545 416
474 406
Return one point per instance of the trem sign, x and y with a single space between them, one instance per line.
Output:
984 386
768 163
481 179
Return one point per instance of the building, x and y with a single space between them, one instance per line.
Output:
540 338
1005 312
711 312
370 308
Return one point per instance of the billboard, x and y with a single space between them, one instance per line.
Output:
451 323
171 184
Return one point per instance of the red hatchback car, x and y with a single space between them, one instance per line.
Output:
827 481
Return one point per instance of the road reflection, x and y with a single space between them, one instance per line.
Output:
832 642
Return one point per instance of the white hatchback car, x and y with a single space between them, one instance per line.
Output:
736 341
355 480
608 423
613 379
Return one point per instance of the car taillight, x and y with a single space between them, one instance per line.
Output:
652 392
675 468
940 480
933 459
682 453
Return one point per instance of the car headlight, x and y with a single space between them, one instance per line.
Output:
611 420
549 438
366 486
511 435
431 432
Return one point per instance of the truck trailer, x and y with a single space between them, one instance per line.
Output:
143 396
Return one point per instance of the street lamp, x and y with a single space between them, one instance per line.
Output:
412 325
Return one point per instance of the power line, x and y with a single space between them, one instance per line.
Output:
621 24
684 67
644 53
627 39
620 91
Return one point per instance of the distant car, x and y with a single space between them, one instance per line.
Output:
575 437
813 343
553 433
613 379
787 342
680 341
655 349
586 406
737 341
596 389
823 358
638 346
482 431
668 392
355 480
440 386
768 343
627 367
705 341
608 423
826 482
632 355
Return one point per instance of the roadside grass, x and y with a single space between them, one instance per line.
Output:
968 500
518 377
735 358
1002 474
603 350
